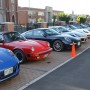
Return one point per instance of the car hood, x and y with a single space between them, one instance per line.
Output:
62 36
71 37
38 45
82 34
78 34
7 60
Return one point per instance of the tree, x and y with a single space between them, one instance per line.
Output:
40 20
81 19
64 17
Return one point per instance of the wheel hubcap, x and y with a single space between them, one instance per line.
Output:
57 45
19 56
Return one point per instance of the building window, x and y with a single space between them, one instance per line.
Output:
12 1
55 14
40 13
32 13
32 20
12 7
0 3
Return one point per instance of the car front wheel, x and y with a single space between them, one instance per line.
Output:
20 55
58 46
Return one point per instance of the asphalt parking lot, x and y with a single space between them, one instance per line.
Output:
73 75
31 70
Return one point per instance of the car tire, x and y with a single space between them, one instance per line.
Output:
58 46
20 55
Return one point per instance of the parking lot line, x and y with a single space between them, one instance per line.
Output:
26 85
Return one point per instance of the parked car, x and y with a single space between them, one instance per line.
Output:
64 30
85 26
9 64
78 35
24 49
81 30
57 42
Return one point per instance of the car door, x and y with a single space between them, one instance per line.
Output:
39 35
28 34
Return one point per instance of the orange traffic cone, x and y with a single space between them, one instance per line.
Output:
73 53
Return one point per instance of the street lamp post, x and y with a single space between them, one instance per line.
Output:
29 12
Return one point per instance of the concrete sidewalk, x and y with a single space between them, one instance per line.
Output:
74 75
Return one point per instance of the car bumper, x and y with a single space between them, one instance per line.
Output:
40 55
69 45
5 77
83 39
88 35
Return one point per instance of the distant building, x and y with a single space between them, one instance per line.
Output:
74 17
8 11
31 15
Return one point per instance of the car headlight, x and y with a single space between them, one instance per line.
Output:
67 39
48 45
33 49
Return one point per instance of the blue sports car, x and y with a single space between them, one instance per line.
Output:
57 42
9 64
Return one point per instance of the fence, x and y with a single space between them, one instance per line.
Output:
19 28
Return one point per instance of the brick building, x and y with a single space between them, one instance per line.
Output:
31 15
23 16
8 11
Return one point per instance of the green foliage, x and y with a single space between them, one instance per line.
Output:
81 19
40 20
64 17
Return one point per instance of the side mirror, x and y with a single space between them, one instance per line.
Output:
1 41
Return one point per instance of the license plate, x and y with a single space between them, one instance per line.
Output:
8 71
78 43
45 55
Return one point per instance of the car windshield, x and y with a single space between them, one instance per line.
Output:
67 27
13 36
51 32
73 27
78 26
64 29
83 26
54 28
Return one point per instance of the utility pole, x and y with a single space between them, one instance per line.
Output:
29 11
28 21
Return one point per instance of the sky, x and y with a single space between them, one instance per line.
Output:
78 6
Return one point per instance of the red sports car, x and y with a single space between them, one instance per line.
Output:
24 49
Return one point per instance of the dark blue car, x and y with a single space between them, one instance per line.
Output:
9 64
57 42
